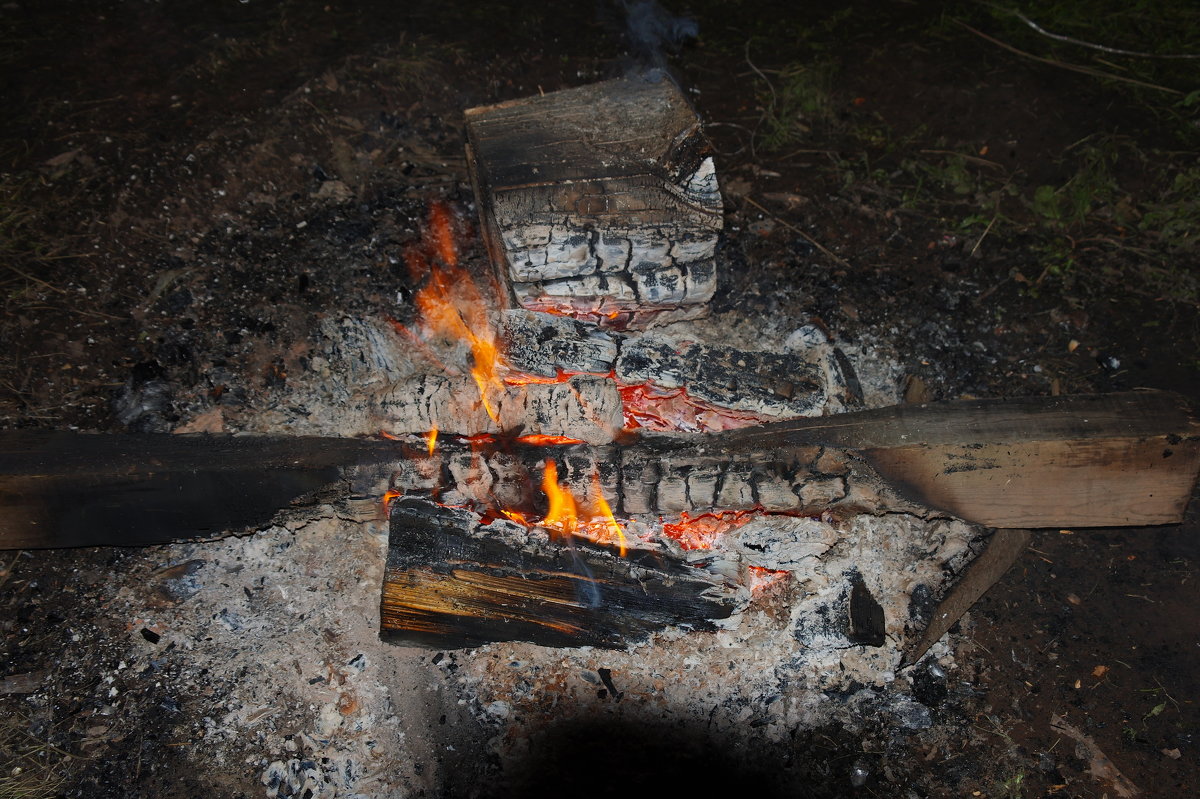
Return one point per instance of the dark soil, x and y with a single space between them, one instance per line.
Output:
187 186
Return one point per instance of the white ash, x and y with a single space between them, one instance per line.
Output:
785 663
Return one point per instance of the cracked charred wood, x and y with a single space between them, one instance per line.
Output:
452 582
585 407
599 201
753 384
1087 461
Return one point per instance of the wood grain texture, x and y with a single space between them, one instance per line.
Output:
450 584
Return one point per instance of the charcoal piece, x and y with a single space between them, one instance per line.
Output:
545 344
867 625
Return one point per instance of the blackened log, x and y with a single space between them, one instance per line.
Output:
451 583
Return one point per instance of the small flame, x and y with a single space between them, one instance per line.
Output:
390 496
452 306
611 529
389 436
516 516
563 513
431 439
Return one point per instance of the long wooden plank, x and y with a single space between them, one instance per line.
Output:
60 489
1127 459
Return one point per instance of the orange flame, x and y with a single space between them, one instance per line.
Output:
431 439
610 528
390 496
563 513
452 307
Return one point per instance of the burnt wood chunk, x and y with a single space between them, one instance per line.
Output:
752 384
453 583
60 489
585 407
600 200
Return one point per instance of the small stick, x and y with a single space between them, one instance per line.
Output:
1095 73
837 259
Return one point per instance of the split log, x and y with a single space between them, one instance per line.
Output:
599 201
451 582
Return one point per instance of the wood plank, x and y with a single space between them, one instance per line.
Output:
1115 460
1127 459
60 489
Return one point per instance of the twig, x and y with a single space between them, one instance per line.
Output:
1095 73
988 229
1102 47
39 281
836 258
974 159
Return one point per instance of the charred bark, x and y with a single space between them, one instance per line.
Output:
452 582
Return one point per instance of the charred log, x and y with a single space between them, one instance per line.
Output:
600 200
451 582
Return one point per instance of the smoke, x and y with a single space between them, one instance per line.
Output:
654 33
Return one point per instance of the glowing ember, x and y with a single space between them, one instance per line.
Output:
540 440
762 579
702 532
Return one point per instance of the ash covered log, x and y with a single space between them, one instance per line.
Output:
599 201
1087 461
451 582
585 407
746 384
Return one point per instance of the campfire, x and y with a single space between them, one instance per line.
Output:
608 491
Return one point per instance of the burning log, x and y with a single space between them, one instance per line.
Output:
1105 460
452 582
682 385
599 201
1109 460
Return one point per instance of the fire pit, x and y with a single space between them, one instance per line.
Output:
656 531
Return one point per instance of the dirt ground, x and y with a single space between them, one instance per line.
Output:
188 189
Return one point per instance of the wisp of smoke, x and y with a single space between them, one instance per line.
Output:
653 32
